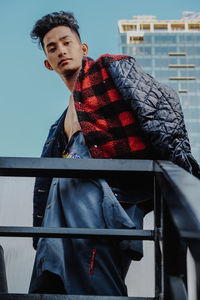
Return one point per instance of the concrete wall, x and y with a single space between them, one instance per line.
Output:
16 210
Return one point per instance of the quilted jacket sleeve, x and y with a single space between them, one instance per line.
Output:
158 111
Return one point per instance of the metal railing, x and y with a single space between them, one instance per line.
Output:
176 217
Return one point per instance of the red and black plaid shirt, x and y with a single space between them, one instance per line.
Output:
106 120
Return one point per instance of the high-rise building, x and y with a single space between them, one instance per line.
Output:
169 50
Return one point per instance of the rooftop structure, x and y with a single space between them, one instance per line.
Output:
136 27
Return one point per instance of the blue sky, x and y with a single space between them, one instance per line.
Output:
32 97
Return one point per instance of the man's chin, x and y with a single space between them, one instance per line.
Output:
69 73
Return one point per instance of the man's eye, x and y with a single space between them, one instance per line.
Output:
66 43
52 50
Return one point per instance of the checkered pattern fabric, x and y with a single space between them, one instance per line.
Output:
106 120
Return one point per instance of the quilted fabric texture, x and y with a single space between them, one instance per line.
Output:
158 111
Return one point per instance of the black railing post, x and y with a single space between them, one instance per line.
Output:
174 259
3 279
194 246
197 266
157 250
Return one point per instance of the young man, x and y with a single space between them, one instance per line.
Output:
115 111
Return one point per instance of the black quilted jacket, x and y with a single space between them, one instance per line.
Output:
159 115
158 111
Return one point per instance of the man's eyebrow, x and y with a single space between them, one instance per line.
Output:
62 38
50 44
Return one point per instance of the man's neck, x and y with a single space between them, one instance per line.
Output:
70 78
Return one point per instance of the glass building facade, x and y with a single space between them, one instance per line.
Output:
170 52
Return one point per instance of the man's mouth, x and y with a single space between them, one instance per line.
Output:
64 61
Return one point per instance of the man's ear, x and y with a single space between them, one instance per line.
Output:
84 49
47 65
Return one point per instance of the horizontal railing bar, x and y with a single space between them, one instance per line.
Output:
190 235
66 297
84 233
60 167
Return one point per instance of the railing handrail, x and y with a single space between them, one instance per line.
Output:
185 187
62 167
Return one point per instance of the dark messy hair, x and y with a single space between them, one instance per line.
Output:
48 22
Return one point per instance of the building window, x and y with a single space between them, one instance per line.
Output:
159 50
194 100
176 26
145 27
161 62
148 39
197 38
161 74
173 84
123 39
136 39
128 27
165 39
161 27
144 62
185 38
142 50
190 50
173 60
195 127
195 27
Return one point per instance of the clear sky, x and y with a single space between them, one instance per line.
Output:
32 98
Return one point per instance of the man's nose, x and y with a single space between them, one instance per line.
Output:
61 51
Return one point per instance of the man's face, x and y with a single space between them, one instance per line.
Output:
64 50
